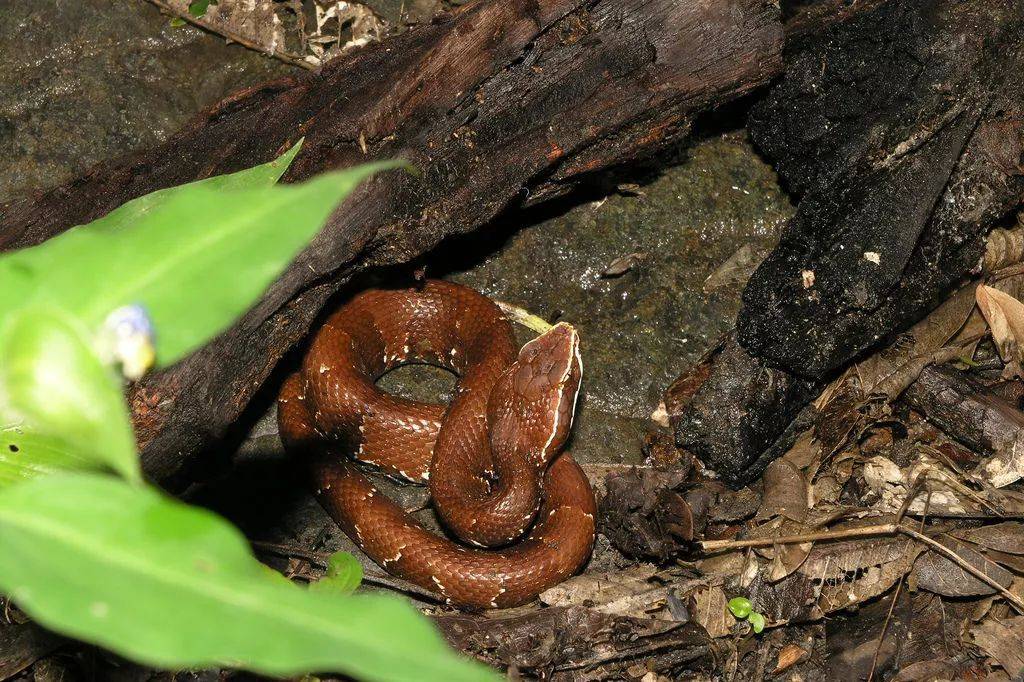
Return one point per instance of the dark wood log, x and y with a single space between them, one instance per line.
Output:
902 130
968 411
500 104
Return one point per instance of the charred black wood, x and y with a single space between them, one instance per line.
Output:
902 130
739 414
968 411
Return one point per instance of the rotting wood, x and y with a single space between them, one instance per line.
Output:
899 185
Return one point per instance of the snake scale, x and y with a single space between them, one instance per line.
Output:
523 510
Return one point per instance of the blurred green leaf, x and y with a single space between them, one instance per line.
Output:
198 7
195 257
52 381
25 454
177 22
177 587
756 621
344 573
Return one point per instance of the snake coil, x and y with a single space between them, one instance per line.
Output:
492 457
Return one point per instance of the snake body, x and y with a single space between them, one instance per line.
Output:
492 457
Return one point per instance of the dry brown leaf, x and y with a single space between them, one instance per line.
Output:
737 269
639 592
1003 537
892 369
790 655
787 559
712 610
1005 317
835 575
784 558
785 492
1004 247
623 264
936 573
1014 562
1002 641
278 28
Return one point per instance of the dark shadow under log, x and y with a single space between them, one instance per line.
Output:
500 105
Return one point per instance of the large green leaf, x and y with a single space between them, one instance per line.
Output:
175 586
52 382
195 257
25 454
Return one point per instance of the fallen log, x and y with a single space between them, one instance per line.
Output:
973 414
499 104
902 130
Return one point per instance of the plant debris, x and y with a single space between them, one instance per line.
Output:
304 33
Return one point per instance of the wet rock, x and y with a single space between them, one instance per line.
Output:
85 81
638 330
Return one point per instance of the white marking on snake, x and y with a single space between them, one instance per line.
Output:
440 587
561 396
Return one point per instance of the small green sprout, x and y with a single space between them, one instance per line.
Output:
743 609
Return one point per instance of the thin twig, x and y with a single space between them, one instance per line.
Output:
185 15
885 626
863 531
899 586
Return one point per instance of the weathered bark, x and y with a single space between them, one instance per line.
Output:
969 412
500 104
902 130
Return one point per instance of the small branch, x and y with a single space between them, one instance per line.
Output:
286 57
865 531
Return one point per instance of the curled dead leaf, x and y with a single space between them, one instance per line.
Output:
785 492
790 655
1005 317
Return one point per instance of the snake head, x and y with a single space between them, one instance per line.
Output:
531 407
